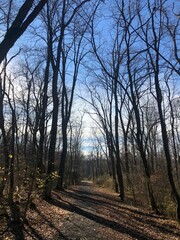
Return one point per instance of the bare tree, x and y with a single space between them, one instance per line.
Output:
103 117
73 53
157 61
22 20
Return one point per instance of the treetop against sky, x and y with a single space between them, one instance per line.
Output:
109 36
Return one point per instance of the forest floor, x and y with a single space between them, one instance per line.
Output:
87 212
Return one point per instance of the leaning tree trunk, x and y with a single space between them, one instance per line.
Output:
166 147
21 22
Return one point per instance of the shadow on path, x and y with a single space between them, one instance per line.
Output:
34 233
98 219
95 200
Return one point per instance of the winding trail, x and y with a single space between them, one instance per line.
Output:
95 214
87 212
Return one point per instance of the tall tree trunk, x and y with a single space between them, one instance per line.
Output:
111 154
53 134
2 127
166 146
43 114
27 120
117 152
63 156
12 158
139 131
139 137
155 62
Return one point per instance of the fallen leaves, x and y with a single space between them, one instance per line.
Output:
89 213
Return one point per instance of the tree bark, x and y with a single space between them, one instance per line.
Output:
43 114
166 146
23 19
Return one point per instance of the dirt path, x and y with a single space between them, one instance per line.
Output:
89 213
